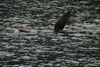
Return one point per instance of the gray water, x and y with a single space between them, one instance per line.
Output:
79 46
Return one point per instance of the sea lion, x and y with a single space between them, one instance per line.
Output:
61 22
25 30
58 26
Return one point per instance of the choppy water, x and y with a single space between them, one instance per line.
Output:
79 46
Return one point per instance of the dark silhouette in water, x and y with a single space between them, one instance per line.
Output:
61 22
58 26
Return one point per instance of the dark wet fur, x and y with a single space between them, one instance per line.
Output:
61 22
